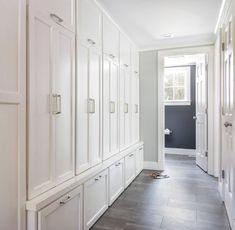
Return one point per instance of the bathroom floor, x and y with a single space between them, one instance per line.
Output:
189 199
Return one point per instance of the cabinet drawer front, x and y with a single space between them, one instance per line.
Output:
95 188
64 213
129 168
116 181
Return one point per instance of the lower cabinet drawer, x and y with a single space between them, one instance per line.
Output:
116 180
139 155
129 168
95 198
64 213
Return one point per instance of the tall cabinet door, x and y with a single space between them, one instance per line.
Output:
41 155
95 71
82 119
121 109
64 95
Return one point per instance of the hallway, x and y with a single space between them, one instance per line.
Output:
189 199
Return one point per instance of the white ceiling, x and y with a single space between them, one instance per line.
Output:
145 21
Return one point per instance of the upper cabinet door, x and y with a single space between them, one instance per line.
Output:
63 97
110 39
125 52
89 22
40 153
60 11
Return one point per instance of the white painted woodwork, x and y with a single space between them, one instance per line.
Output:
63 85
125 52
60 11
110 107
227 126
64 213
135 60
88 125
89 22
95 198
201 113
129 168
110 38
51 71
139 157
12 115
116 180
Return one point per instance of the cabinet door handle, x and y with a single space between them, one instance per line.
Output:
140 148
131 155
96 179
136 108
136 72
112 107
56 104
91 105
56 18
112 56
59 104
126 108
91 41
65 200
126 65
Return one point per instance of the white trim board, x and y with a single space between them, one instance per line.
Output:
188 152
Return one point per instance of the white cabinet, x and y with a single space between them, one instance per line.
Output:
125 108
110 107
60 11
135 60
125 52
50 104
135 107
95 198
64 213
89 22
110 38
116 180
129 168
139 156
88 116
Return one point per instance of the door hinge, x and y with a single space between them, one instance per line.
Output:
223 46
222 174
206 154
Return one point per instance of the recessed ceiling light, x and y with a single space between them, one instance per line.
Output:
167 35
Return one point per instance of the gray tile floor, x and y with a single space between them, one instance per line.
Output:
187 200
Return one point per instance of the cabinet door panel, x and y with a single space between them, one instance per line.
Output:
82 119
116 181
110 38
95 71
114 145
106 107
41 164
139 159
89 23
65 213
129 168
93 207
64 87
121 110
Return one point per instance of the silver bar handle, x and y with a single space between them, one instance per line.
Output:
59 104
56 18
56 104
126 108
91 105
131 155
91 41
126 65
65 200
112 56
112 107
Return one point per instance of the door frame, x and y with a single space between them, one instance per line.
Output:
209 51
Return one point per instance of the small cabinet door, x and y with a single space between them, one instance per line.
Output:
64 99
129 168
116 180
125 52
95 198
110 38
89 22
139 159
64 213
60 11
110 107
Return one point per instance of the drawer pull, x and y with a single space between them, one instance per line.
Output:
118 164
100 176
91 41
56 104
141 148
96 179
131 155
91 105
56 18
126 65
65 201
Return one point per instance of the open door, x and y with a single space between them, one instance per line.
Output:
227 157
201 113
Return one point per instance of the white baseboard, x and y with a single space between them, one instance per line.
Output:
188 152
152 165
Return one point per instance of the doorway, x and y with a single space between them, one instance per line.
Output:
199 121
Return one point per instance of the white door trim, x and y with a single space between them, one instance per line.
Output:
209 50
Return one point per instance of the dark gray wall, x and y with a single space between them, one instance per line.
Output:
179 119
